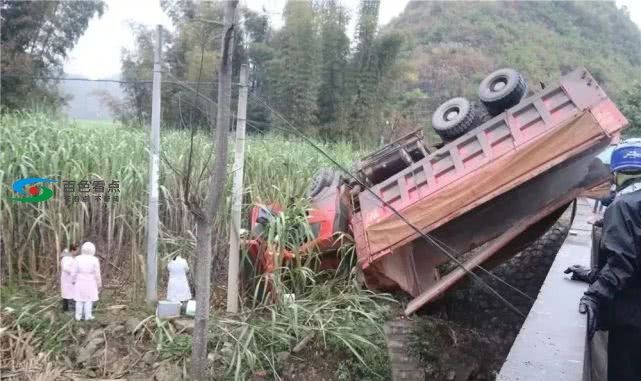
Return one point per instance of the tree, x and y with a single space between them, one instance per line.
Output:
631 107
206 215
189 50
135 69
305 70
36 37
334 59
375 55
363 79
259 54
294 72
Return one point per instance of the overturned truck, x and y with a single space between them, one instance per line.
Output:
506 170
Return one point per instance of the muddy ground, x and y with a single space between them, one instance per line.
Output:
467 335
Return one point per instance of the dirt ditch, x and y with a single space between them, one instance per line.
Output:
467 335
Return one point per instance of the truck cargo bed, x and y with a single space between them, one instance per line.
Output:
496 182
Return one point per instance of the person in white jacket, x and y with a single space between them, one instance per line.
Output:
178 286
66 276
87 280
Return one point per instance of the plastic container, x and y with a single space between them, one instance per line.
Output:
167 309
190 309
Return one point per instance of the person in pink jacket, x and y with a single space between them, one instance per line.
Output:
66 276
87 280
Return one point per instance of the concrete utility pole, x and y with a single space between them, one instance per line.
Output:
154 172
237 195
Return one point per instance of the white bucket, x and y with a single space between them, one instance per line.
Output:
167 309
190 310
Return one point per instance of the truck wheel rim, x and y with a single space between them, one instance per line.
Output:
498 84
452 113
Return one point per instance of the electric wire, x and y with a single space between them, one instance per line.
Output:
426 237
492 275
120 81
489 273
434 241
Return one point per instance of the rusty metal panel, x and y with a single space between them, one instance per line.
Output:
582 89
360 240
406 268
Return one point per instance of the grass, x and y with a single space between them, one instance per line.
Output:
94 123
342 318
330 313
32 315
330 309
40 145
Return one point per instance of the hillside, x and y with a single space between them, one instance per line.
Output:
453 45
87 98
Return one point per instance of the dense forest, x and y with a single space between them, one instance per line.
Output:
375 83
383 81
35 41
309 70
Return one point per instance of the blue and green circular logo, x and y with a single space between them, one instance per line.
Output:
44 192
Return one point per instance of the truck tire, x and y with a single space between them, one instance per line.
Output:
501 90
454 118
321 179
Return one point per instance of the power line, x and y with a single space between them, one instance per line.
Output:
176 81
425 236
143 81
196 90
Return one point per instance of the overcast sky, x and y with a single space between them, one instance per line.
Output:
97 54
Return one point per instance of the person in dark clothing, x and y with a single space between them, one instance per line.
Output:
613 300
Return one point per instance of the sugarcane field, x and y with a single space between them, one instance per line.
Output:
320 190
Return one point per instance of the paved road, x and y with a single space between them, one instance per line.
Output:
551 343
